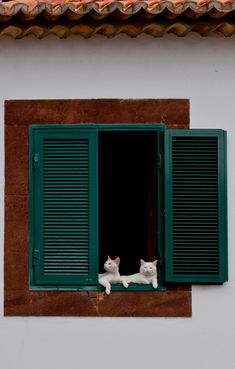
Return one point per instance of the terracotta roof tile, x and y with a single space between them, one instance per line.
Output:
84 30
132 6
110 17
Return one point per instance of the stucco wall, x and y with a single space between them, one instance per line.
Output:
193 67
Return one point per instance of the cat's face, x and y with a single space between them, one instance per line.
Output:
148 269
111 265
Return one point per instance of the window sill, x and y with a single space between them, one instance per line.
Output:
115 287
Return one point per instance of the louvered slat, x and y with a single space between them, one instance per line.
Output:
195 259
64 259
66 231
196 206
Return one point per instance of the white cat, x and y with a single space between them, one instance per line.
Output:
147 274
112 275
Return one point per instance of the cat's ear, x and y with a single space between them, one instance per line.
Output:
117 261
142 262
109 258
155 262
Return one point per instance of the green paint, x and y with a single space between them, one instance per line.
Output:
38 218
63 207
196 252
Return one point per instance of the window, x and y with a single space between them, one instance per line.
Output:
94 193
129 190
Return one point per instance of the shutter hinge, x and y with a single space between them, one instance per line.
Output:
35 161
159 162
35 257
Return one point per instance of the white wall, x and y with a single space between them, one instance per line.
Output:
201 69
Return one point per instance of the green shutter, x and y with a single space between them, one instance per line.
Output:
64 185
195 206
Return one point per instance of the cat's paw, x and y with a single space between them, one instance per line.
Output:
107 290
125 284
155 284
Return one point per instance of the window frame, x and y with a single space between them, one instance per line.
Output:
159 128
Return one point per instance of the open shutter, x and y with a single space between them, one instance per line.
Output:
195 206
65 206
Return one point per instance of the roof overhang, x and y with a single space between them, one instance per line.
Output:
110 18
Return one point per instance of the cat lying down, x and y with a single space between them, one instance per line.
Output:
147 274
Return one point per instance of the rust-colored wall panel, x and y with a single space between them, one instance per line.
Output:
146 304
19 301
173 112
16 164
16 207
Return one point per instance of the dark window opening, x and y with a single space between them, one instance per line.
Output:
127 198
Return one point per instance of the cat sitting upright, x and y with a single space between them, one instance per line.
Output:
146 275
112 275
